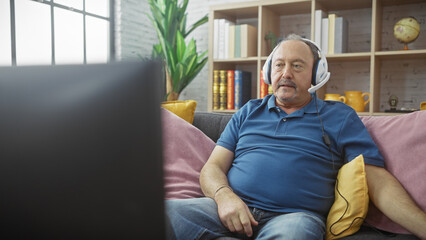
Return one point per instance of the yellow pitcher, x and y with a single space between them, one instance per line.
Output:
335 97
423 106
355 99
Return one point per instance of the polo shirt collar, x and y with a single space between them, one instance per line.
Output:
309 108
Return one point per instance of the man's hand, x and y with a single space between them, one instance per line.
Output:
234 213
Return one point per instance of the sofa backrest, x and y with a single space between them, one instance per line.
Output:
212 124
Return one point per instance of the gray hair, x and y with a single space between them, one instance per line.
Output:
292 36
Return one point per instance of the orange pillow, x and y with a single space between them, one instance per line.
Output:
351 200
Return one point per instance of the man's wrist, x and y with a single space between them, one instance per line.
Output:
221 188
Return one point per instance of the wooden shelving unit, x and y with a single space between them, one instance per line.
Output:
372 49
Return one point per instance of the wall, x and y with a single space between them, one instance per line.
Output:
133 29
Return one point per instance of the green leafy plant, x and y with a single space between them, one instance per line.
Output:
181 59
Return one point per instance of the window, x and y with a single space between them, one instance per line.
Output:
5 37
34 32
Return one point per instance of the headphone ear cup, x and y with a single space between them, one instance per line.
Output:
267 70
321 71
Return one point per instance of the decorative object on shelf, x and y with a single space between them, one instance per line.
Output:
355 99
393 102
271 41
335 97
182 61
406 30
423 106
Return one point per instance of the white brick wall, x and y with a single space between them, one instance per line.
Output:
134 32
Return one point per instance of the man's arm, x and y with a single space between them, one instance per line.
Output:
233 212
389 196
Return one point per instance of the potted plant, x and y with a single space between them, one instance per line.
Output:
182 61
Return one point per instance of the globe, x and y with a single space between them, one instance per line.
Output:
406 30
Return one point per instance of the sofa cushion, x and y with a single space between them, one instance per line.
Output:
184 109
401 140
351 200
185 150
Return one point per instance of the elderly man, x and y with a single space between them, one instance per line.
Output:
273 170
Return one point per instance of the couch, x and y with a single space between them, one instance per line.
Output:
401 139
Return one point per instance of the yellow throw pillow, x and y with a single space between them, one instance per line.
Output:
351 200
184 109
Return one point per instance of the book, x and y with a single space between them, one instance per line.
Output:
221 44
222 90
237 48
319 15
324 36
227 25
216 39
231 43
242 85
331 32
248 41
230 90
263 86
215 89
340 35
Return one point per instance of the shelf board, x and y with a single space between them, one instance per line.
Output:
405 54
225 111
349 56
399 2
385 114
236 60
237 10
288 8
359 113
338 5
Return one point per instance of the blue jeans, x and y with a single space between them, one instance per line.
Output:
198 219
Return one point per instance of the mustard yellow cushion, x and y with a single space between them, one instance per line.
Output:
351 200
184 109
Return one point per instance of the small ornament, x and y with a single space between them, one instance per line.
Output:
393 102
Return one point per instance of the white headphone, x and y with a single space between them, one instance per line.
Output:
320 74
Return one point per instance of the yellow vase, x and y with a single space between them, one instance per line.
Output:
355 99
423 106
335 97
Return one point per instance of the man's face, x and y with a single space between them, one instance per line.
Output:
291 73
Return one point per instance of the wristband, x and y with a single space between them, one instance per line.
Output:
221 187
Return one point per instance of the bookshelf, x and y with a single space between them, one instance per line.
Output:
373 62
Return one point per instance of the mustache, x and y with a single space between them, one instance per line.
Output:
287 83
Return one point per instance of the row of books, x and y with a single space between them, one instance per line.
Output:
231 89
233 40
331 32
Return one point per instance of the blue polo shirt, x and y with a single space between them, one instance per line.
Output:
281 162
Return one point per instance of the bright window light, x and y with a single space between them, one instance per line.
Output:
76 4
97 41
69 40
98 7
5 36
33 34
